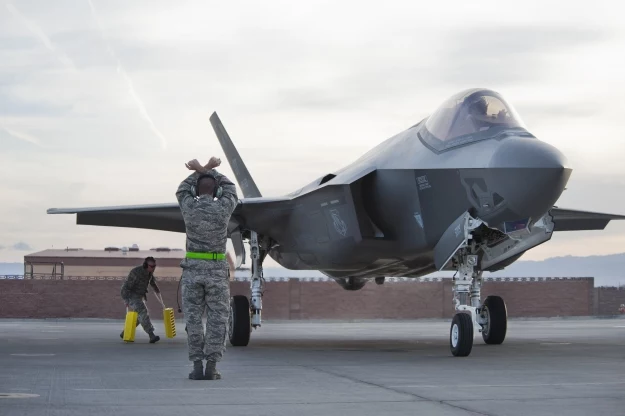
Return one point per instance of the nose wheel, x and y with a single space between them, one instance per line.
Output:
495 317
239 325
490 318
461 335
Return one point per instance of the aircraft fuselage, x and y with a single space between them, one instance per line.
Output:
397 201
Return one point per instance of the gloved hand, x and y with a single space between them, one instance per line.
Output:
213 163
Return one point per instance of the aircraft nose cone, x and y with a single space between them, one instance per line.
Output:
526 153
530 175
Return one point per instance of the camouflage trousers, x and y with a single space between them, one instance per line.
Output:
136 303
210 291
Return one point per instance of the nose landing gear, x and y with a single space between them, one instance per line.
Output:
245 315
490 318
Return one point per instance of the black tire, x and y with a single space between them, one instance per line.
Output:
240 327
461 335
497 314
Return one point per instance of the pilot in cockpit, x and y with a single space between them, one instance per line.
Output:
478 108
485 117
478 114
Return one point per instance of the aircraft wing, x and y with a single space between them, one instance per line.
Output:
574 220
164 217
167 217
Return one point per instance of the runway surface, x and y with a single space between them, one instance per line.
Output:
545 367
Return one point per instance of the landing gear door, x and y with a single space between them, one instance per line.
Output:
239 248
453 239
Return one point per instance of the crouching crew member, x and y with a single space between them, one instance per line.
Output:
134 293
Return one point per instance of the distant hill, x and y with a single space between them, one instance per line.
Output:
607 270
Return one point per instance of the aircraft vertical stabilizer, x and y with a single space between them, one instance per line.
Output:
246 183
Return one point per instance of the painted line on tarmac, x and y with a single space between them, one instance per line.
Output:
424 386
33 355
192 389
17 395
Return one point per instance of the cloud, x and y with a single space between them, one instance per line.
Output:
13 106
522 40
21 135
21 246
508 55
469 57
315 99
131 89
37 31
562 109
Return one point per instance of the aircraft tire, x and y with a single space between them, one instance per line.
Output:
239 328
497 313
461 335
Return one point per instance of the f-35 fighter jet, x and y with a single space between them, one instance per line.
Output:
468 188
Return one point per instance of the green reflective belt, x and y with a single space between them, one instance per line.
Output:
206 256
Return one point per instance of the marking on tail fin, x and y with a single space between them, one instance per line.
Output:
247 184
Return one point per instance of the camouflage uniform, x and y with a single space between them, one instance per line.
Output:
205 282
134 292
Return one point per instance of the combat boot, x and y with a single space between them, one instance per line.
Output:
198 371
154 338
211 372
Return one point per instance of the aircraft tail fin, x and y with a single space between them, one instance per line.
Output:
246 183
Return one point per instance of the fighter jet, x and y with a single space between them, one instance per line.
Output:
468 188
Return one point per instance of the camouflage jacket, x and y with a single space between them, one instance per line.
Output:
206 219
137 283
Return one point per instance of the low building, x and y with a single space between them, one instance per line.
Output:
108 262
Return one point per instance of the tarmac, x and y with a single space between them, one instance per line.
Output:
545 367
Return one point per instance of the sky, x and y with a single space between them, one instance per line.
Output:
102 102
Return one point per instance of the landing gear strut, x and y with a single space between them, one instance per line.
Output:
244 314
489 318
466 290
256 283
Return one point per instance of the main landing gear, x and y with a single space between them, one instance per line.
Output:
490 318
245 315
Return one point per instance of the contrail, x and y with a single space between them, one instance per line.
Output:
131 88
36 30
22 136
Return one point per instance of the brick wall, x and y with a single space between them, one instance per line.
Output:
608 300
545 298
295 299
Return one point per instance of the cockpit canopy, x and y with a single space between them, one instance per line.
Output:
470 115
